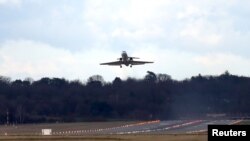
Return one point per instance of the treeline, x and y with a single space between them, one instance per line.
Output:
156 96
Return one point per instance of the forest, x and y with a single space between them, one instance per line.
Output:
156 96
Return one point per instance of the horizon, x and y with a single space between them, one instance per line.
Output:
85 80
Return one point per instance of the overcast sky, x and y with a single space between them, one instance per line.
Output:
66 38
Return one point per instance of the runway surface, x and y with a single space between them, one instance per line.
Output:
115 128
155 127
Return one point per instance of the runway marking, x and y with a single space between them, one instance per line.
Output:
167 128
103 129
236 122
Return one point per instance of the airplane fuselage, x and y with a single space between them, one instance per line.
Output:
126 60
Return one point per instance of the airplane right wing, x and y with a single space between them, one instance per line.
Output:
116 63
139 62
134 57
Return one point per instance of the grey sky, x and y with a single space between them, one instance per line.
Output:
63 38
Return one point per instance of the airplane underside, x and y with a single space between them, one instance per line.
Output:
126 65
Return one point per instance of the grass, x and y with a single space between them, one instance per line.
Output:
244 122
187 137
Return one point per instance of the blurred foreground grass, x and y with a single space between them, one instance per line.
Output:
187 137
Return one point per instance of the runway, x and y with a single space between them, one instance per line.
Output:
155 127
115 128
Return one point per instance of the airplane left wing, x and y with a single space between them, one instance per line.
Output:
139 62
116 63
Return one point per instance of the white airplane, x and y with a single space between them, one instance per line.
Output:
126 60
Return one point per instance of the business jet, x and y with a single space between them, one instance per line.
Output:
126 60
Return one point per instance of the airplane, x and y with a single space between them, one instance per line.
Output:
126 60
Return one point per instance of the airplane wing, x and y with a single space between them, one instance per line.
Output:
134 57
115 63
139 62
